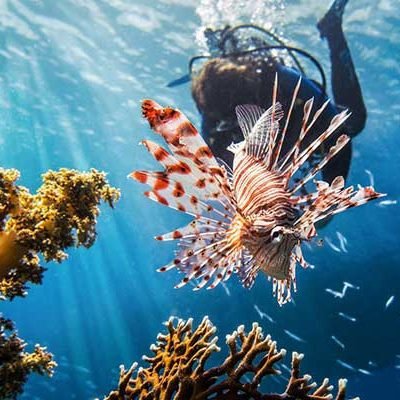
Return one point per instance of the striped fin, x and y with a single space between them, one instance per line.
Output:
216 257
337 184
225 269
169 192
298 254
278 147
215 262
306 115
276 116
340 144
334 199
262 134
212 259
282 289
192 182
187 147
171 189
185 172
190 205
161 155
336 121
358 198
204 255
248 270
260 129
198 228
195 178
191 255
178 132
236 147
306 128
247 116
191 172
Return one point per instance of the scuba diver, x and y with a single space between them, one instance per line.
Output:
241 68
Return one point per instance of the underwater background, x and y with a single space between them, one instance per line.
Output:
72 75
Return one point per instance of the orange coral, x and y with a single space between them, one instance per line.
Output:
177 369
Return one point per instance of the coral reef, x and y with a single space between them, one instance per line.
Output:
177 370
16 364
61 214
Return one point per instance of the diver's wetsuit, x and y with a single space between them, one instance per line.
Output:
220 139
217 94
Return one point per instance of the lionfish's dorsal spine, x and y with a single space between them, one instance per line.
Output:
277 149
290 165
261 128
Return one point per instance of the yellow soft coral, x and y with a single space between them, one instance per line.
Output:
61 214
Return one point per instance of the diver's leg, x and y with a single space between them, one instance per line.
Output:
345 86
339 165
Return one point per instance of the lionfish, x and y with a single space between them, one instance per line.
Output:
251 218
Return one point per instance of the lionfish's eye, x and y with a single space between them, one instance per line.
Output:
276 235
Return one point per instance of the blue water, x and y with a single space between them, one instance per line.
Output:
72 74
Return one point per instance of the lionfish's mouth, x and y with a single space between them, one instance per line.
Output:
278 257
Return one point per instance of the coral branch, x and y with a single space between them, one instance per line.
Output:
16 364
61 214
177 369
